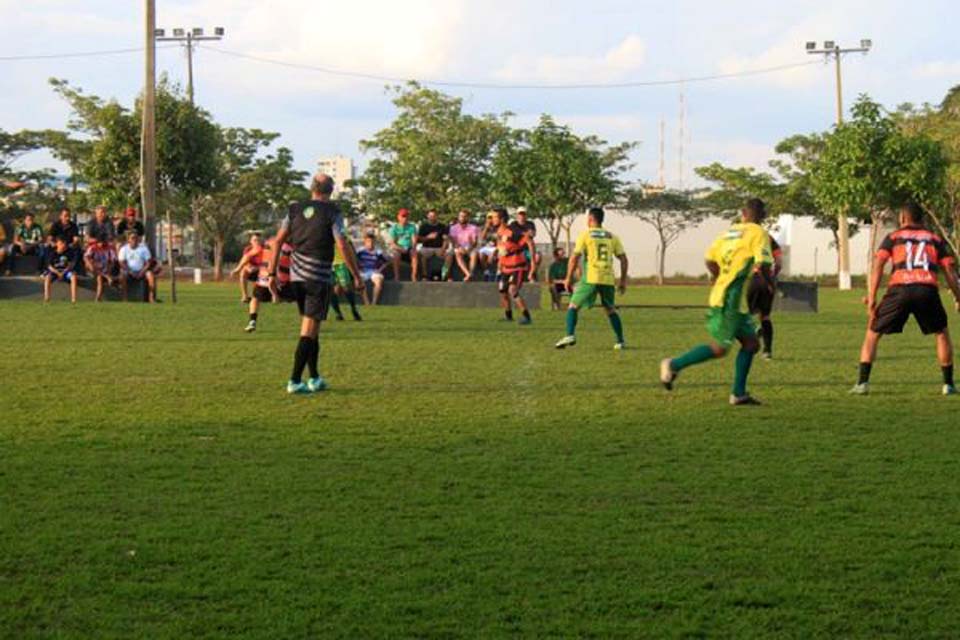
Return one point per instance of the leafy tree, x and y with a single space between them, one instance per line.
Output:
557 174
431 156
24 190
670 213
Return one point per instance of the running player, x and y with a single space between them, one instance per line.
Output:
731 260
313 228
512 263
343 284
760 296
598 247
917 256
267 289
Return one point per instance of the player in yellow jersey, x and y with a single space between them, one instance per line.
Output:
732 259
598 247
343 283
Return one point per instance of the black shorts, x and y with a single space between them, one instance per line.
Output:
504 280
252 276
560 288
263 294
406 255
759 296
923 301
313 298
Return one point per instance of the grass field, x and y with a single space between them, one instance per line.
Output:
462 478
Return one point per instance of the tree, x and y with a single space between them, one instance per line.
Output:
557 174
24 190
431 156
670 213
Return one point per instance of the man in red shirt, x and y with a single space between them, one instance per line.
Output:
918 255
249 266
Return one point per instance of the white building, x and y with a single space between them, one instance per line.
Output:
338 167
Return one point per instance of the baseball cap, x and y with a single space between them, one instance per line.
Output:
130 211
521 210
403 213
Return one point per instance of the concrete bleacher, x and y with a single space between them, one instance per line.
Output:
452 294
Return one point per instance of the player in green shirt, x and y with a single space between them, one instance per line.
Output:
597 247
557 276
731 259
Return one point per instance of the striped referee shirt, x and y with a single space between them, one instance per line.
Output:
313 228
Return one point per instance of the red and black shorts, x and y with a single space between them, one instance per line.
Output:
313 298
505 279
920 300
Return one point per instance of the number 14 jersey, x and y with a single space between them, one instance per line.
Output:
917 255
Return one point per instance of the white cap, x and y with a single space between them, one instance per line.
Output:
521 209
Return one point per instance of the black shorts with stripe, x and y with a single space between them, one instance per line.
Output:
900 302
759 296
515 278
313 298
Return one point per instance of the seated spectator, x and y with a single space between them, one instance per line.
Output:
100 229
135 266
128 224
529 228
100 259
5 248
248 268
372 262
464 236
558 278
433 241
488 252
403 244
28 240
64 227
61 266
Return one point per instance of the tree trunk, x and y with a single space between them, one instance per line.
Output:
662 262
218 246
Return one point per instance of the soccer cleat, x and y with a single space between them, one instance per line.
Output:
251 326
620 346
297 388
566 341
356 317
861 389
667 374
949 390
744 401
316 384
524 320
767 355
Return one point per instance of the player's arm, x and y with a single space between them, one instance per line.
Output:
240 265
713 268
950 274
572 265
275 258
350 258
624 266
876 276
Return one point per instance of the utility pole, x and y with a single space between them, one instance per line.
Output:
834 50
188 38
148 142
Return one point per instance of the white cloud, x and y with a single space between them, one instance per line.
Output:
939 69
628 55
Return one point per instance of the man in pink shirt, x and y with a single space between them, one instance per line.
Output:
464 236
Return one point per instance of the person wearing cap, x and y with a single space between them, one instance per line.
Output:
403 243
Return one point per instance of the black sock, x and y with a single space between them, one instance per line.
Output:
766 333
253 317
352 299
526 314
314 358
300 356
865 368
508 314
947 374
335 303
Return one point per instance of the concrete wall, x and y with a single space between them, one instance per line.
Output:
807 250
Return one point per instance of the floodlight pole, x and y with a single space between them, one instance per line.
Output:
189 41
148 143
843 227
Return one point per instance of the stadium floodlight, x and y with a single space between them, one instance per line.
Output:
219 31
178 33
159 33
811 46
197 31
829 44
866 43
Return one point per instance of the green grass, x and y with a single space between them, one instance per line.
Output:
462 478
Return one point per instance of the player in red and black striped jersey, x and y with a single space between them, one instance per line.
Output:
270 289
760 295
918 256
513 264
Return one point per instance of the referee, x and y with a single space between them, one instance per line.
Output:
313 228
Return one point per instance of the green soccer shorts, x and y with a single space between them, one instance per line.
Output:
585 295
726 326
342 277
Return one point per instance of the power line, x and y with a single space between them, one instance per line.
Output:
78 54
491 85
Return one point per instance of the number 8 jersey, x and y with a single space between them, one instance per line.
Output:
917 256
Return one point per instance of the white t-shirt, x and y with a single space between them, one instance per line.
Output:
136 259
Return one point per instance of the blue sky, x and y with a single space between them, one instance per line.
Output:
916 58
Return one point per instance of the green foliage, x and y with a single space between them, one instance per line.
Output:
432 155
25 190
670 213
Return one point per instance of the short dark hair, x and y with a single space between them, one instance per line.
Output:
501 213
596 213
756 209
65 209
322 184
913 211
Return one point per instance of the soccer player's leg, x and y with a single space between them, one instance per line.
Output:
889 317
722 327
516 283
583 296
749 345
608 298
760 303
503 286
927 308
260 294
313 301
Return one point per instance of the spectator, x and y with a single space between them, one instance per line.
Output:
64 227
100 258
558 278
100 229
372 262
128 224
61 265
249 267
403 243
135 262
464 236
6 249
28 240
488 252
433 241
530 229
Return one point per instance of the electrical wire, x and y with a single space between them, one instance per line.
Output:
78 54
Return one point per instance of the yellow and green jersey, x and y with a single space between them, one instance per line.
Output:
738 251
598 247
337 255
